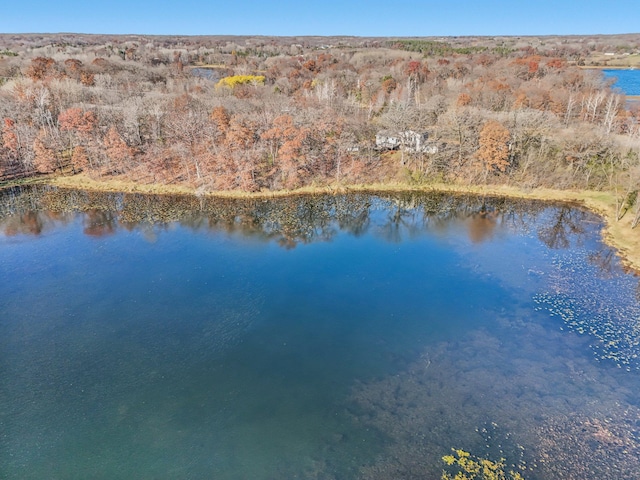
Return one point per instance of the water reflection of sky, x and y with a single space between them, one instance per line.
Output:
626 80
312 337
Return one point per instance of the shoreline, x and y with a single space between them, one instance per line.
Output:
615 233
609 67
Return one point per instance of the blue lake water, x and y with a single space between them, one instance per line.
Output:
626 80
346 337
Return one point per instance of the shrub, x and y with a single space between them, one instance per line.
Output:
235 80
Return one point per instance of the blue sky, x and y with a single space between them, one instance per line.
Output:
328 17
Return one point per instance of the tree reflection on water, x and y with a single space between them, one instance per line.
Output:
474 389
289 221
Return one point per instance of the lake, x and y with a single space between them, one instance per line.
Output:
318 337
626 80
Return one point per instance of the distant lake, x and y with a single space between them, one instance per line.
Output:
312 337
626 80
208 73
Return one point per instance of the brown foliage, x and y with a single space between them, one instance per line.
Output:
75 119
182 103
87 79
389 85
480 226
464 99
494 149
73 67
100 62
220 117
244 91
21 93
531 64
41 68
9 137
485 60
289 135
557 63
240 135
521 100
311 66
273 73
117 149
417 71
44 159
79 159
286 141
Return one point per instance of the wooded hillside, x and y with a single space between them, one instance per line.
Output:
255 113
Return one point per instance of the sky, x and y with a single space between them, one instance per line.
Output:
399 18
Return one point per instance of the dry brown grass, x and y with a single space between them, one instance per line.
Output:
612 61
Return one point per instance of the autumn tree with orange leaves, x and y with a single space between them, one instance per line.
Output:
41 68
117 150
79 159
286 141
236 165
493 153
76 119
44 160
9 137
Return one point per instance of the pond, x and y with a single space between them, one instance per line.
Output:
317 337
626 80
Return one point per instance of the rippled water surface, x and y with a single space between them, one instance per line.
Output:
319 337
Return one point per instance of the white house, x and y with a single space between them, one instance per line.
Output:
408 140
387 140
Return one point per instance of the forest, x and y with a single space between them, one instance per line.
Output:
279 113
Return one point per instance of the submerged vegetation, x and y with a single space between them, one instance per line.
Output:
508 383
573 298
468 467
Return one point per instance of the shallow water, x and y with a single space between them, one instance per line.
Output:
311 337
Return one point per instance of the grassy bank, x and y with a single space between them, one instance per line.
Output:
618 234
